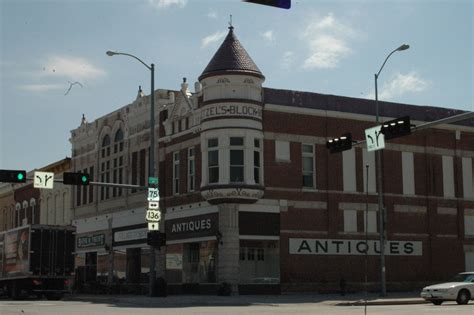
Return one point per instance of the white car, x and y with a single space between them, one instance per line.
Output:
459 289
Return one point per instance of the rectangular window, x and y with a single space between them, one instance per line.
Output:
236 160
467 177
349 170
350 221
91 188
114 180
134 169
107 190
242 253
369 158
191 169
260 254
250 253
176 173
469 224
282 151
213 160
256 161
308 165
408 173
84 190
371 221
448 178
142 173
78 195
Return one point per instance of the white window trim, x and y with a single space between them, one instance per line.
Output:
176 176
312 156
192 176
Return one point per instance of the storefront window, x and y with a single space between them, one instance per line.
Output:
102 268
120 263
145 265
199 262
259 261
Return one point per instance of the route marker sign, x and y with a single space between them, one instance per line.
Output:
153 194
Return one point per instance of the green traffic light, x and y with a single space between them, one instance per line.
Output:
20 176
84 179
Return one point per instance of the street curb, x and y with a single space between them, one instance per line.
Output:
383 302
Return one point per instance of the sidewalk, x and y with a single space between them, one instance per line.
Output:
358 299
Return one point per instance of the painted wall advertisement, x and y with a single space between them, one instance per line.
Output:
16 249
305 246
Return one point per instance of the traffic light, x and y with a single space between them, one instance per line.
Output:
396 128
340 144
155 238
75 178
12 176
283 4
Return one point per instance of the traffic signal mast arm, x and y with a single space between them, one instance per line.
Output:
447 120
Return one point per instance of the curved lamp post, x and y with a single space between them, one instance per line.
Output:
378 154
151 162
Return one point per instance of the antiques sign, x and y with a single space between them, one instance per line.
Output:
305 246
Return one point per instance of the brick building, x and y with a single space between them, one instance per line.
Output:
22 204
252 195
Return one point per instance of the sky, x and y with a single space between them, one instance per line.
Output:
329 47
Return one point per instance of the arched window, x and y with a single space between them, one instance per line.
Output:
112 164
117 170
33 214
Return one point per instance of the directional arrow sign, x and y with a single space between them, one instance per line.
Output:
374 138
153 226
43 180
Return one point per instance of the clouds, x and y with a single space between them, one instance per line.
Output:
57 70
42 87
216 37
328 42
268 36
164 4
401 84
73 68
288 60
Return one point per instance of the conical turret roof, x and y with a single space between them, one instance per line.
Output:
231 57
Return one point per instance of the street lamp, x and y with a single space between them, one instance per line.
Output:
378 162
151 162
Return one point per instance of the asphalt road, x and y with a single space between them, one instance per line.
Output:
217 305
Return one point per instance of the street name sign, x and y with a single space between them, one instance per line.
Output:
152 180
374 138
43 180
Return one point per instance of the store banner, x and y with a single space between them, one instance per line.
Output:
192 227
91 241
